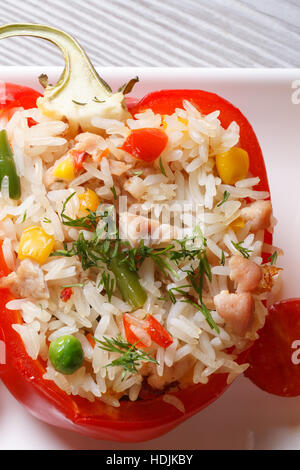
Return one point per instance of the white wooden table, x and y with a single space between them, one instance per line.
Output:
203 33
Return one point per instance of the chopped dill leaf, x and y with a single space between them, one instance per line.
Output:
136 172
113 190
130 356
161 166
226 195
273 258
108 284
244 251
222 262
79 284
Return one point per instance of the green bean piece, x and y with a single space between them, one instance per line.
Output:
8 167
128 283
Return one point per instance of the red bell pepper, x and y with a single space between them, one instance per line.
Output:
66 294
152 327
143 419
17 96
145 144
274 357
158 333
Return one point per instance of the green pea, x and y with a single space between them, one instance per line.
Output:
66 354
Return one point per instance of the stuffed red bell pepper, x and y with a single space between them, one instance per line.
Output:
121 322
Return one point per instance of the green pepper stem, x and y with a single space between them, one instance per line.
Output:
80 94
77 62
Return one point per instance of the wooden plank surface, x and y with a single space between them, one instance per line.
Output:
200 33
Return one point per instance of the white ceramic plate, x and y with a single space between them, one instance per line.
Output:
244 417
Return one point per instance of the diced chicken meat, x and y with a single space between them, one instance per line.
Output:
245 273
118 168
27 281
258 214
236 310
136 227
89 143
171 374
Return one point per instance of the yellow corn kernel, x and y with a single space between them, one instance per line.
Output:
65 170
184 121
88 201
232 165
35 244
237 224
163 121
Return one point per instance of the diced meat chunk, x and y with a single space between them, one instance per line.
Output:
258 214
90 143
27 281
135 186
236 309
137 227
118 168
171 374
245 273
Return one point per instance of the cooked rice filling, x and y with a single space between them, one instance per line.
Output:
179 200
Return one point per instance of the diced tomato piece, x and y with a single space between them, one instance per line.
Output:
104 153
145 144
130 336
78 159
158 333
66 294
31 122
275 357
155 330
91 340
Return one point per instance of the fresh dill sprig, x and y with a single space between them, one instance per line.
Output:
226 195
24 216
136 172
78 284
113 190
160 256
102 248
108 283
222 262
89 221
196 279
273 258
46 220
161 167
205 311
244 251
130 356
